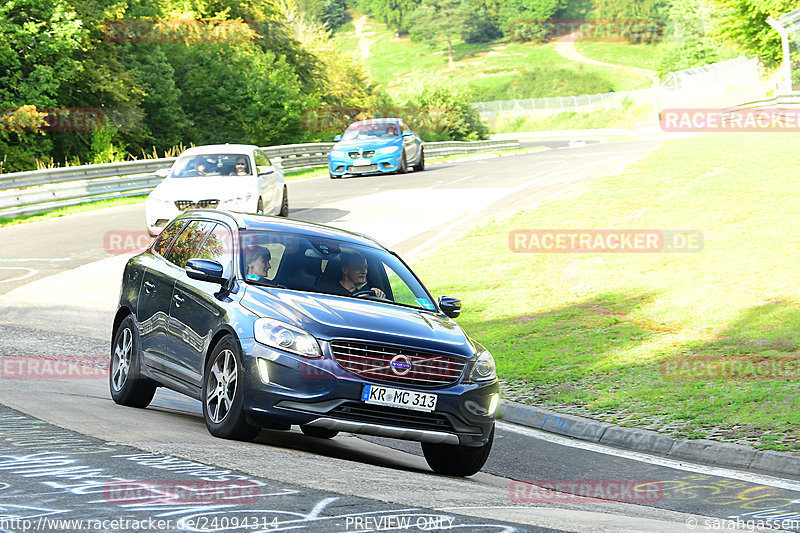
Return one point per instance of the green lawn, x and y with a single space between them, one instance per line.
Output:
631 55
590 331
495 71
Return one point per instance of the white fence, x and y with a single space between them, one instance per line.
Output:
722 84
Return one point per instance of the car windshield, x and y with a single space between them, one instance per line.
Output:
191 166
368 130
325 265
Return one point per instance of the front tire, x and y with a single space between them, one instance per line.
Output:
124 381
223 394
260 207
403 163
456 460
420 166
284 212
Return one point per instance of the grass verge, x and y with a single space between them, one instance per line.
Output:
592 333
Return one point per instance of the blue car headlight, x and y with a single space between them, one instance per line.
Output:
388 150
285 337
338 153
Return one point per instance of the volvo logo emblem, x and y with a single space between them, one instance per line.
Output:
401 365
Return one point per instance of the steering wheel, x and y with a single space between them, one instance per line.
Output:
364 292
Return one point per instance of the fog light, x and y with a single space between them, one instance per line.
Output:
494 400
263 370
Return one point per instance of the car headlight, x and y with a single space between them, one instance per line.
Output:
338 153
388 150
285 337
158 202
238 200
483 369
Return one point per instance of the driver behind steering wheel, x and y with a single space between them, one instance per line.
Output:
354 277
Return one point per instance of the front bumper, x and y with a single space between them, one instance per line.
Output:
379 164
318 392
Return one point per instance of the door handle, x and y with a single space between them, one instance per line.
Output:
178 300
149 286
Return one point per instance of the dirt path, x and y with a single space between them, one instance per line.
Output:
363 43
566 47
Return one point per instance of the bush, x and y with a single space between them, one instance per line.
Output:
447 113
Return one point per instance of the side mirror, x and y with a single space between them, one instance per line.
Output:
337 138
162 173
205 270
450 306
408 133
265 170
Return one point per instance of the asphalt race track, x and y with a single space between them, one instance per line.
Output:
72 460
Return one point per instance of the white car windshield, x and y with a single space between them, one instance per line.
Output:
191 166
367 130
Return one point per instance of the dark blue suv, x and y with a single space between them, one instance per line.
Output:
271 322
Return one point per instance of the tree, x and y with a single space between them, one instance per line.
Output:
437 21
689 44
445 112
745 22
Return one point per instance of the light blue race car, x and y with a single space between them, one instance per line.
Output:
374 146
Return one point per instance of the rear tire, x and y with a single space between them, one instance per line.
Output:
223 393
284 203
320 433
420 166
124 381
456 460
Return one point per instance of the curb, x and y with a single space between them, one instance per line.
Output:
703 451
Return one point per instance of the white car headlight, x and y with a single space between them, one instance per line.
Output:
285 337
483 369
338 153
388 150
237 200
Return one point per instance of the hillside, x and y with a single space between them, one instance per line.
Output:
499 70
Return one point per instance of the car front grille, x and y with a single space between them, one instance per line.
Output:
363 168
365 154
379 414
183 205
411 367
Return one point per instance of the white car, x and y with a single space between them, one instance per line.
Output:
236 177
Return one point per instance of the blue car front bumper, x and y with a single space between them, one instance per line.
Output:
387 164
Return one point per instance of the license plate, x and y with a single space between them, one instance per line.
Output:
361 162
405 399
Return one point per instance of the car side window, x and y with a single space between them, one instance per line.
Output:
218 247
261 159
187 245
167 236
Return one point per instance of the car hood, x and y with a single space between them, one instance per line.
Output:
330 317
204 188
368 144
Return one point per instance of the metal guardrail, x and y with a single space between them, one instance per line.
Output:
39 191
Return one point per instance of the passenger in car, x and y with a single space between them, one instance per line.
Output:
258 263
353 277
241 167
